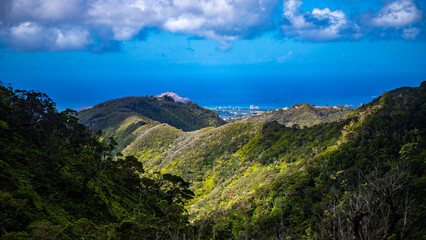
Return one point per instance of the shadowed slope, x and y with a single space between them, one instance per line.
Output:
187 117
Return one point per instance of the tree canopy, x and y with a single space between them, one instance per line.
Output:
57 181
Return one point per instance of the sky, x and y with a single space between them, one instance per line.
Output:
271 53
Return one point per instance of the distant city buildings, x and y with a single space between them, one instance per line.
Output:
228 112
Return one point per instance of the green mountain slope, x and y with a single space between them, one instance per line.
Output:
304 115
237 157
370 184
59 182
267 181
112 114
130 119
361 177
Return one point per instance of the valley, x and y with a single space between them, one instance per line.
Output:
212 120
153 168
229 165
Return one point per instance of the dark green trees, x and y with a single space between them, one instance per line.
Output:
369 185
59 182
359 178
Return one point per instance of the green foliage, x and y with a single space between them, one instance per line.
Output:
361 177
353 178
368 185
57 181
136 121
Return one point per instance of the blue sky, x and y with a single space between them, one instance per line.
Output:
216 52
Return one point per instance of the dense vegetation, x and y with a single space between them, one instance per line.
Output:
127 119
59 182
360 177
304 115
369 185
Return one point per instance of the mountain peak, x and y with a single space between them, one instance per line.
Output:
175 97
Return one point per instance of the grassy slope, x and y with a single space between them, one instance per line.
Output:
301 114
247 162
378 140
129 119
228 163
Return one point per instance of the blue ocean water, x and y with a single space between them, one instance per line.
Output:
267 92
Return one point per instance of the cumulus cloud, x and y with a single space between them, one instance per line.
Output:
318 25
396 19
397 14
185 24
121 20
29 36
399 18
101 25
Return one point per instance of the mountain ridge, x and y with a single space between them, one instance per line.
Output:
232 167
357 177
57 181
187 116
304 115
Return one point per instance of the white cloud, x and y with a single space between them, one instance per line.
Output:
124 33
292 13
30 36
411 33
121 20
53 10
397 14
320 25
71 39
184 24
59 25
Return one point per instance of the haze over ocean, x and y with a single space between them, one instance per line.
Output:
274 53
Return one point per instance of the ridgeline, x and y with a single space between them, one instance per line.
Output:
304 115
345 175
59 182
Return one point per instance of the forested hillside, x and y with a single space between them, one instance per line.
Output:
128 118
369 184
59 182
359 177
185 116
